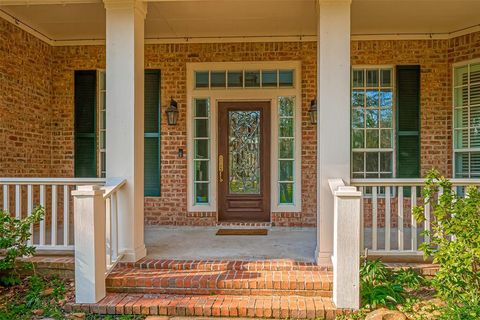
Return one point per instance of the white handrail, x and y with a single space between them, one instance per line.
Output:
112 185
52 181
408 182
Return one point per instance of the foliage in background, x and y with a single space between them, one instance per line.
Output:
454 245
380 286
14 234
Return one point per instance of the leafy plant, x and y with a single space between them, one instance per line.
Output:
14 234
454 244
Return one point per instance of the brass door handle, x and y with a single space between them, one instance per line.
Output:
220 167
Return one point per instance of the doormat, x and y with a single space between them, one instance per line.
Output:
242 232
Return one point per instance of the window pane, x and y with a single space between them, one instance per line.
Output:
461 164
201 171
358 98
371 161
461 138
358 139
286 170
286 148
201 108
460 118
201 128
235 79
372 78
286 192
386 162
386 98
474 73
357 162
386 77
474 137
386 139
252 79
201 193
269 78
460 97
201 79
460 76
386 118
201 149
372 118
286 127
372 139
372 98
218 79
358 120
357 78
475 94
286 78
286 106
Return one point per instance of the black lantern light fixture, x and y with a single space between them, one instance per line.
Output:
313 111
172 113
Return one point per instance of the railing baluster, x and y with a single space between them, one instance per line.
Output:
114 227
66 218
400 218
54 216
42 222
18 201
414 221
29 210
374 218
427 222
388 213
5 197
108 233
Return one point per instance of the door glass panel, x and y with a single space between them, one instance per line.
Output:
244 152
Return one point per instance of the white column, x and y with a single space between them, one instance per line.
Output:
89 223
346 248
333 101
125 21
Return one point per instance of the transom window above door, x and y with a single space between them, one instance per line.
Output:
248 78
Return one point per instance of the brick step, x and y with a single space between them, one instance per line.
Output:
231 282
278 307
221 265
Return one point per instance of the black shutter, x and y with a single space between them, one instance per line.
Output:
152 133
408 121
85 157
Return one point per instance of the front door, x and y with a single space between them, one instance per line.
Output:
244 161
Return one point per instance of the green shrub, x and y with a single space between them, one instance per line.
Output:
454 245
380 286
14 234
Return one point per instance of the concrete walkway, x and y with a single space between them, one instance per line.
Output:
188 243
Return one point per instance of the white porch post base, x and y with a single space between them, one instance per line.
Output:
333 103
346 248
90 260
125 116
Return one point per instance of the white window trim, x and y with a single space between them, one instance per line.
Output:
270 94
456 150
394 114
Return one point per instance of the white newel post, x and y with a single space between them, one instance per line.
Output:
333 125
346 248
89 222
125 21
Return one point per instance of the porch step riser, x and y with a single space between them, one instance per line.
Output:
225 265
213 306
237 292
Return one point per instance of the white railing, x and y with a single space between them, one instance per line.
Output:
22 195
388 225
111 222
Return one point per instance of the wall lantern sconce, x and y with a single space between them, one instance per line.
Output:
172 113
313 111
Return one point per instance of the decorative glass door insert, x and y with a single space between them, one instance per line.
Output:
244 152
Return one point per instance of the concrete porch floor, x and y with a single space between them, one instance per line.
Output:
195 243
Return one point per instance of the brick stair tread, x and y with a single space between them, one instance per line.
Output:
296 307
220 282
218 265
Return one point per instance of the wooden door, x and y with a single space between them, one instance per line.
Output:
244 161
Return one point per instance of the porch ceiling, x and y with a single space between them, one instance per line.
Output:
253 18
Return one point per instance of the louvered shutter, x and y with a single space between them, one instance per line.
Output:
152 133
85 92
408 121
